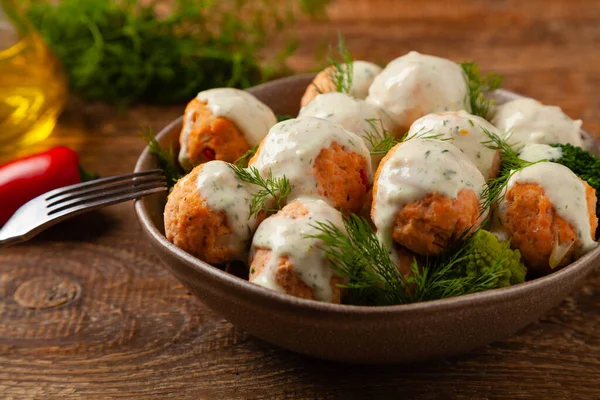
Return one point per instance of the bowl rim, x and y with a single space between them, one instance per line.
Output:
582 265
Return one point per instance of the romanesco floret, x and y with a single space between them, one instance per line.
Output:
584 164
486 253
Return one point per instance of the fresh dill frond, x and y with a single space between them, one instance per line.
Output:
441 280
245 158
424 135
510 163
478 86
342 72
271 188
166 157
374 279
380 139
363 260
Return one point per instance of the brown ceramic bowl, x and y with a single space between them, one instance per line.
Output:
373 335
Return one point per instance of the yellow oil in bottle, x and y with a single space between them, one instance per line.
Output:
32 92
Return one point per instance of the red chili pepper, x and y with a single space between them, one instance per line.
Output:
26 178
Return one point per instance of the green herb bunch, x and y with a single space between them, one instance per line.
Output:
123 51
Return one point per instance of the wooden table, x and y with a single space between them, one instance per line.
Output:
87 311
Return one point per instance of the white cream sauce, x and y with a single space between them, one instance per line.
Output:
565 191
417 168
529 121
183 158
534 152
250 115
465 131
363 73
351 113
218 184
417 84
286 237
292 146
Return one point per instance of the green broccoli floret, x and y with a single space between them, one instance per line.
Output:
585 165
486 255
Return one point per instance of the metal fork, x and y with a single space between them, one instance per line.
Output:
66 202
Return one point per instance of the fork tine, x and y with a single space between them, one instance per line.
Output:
98 182
82 208
62 198
105 195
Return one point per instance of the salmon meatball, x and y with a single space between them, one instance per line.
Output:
549 215
284 258
465 131
208 214
425 196
529 121
356 115
363 73
415 85
320 159
222 124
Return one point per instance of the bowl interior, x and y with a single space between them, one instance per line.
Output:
354 333
283 96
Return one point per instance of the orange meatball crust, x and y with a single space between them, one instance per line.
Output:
210 138
321 84
533 225
430 225
288 279
342 177
192 226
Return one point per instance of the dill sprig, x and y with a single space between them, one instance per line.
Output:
374 279
342 72
166 157
380 139
478 86
445 276
510 163
245 158
424 135
271 188
360 257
